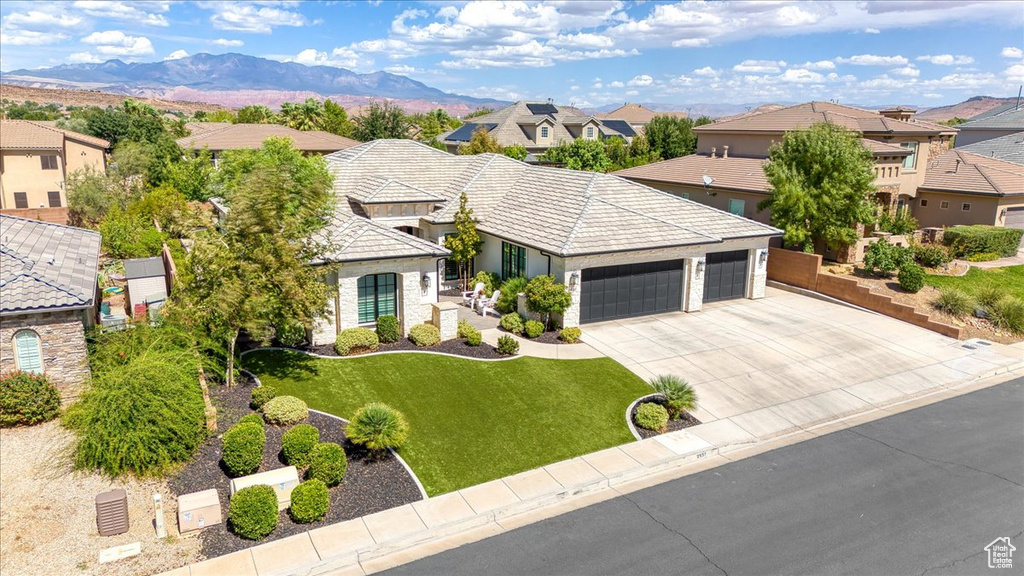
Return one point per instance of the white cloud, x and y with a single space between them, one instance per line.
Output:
932 95
801 76
1012 52
84 58
632 93
226 42
16 37
402 69
819 65
338 58
760 66
37 19
176 55
947 59
872 31
706 72
616 84
582 40
1015 73
117 43
906 71
251 16
641 80
136 12
873 60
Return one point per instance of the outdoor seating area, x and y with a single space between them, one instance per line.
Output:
468 311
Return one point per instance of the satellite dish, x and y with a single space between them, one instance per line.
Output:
708 180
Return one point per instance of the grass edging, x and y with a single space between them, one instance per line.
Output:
629 412
352 356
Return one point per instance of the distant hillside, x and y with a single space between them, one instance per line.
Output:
65 98
966 109
236 80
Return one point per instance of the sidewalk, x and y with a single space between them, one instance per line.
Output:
528 347
379 541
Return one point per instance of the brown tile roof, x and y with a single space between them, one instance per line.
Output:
243 136
733 173
38 135
884 149
804 115
637 114
974 174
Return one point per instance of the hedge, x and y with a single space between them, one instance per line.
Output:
27 399
356 340
966 241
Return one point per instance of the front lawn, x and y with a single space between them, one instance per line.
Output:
1010 280
471 421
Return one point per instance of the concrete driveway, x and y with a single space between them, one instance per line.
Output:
789 360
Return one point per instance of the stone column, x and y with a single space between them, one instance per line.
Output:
571 316
409 300
325 329
693 299
445 315
523 310
758 273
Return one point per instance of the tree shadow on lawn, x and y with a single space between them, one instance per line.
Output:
281 364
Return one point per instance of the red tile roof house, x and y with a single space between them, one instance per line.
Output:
48 297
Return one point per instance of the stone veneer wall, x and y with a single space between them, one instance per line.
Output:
62 338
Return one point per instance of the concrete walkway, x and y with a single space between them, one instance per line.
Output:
527 347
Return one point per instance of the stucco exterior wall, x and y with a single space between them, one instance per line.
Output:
984 210
62 339
489 258
23 172
80 156
746 144
720 200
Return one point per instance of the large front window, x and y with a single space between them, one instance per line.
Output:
911 160
377 297
513 261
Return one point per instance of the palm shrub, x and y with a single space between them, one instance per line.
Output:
533 328
1008 314
242 448
512 322
378 427
252 512
679 395
388 330
954 302
27 399
507 345
297 443
911 277
310 501
508 300
425 335
261 395
327 463
285 410
353 340
651 416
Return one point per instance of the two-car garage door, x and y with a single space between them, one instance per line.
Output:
629 290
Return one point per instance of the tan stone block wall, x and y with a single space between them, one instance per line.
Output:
62 338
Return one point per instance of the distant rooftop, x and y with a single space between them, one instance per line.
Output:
999 118
39 135
968 173
1009 148
802 116
224 136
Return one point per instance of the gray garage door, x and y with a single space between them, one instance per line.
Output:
725 275
611 292
1014 217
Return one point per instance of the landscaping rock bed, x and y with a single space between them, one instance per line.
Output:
550 337
687 420
457 347
370 485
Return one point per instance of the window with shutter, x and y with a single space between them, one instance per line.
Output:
27 353
54 198
21 199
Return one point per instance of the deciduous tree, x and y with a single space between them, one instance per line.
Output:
465 243
480 142
382 120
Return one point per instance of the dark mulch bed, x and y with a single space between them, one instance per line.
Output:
457 346
548 337
370 485
685 421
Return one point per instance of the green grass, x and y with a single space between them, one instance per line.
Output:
1010 280
470 421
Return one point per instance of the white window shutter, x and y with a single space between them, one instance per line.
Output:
27 349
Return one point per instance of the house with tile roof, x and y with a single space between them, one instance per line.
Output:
537 126
636 115
220 136
962 187
997 122
1009 148
725 171
36 158
623 249
48 297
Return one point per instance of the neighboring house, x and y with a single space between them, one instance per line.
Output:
537 126
623 249
999 121
636 115
48 296
725 172
35 160
1009 148
147 283
965 188
220 136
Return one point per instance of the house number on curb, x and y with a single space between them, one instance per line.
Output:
701 455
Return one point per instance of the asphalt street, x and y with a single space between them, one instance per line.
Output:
922 492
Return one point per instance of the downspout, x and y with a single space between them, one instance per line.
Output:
543 253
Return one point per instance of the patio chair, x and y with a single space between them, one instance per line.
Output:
469 298
489 304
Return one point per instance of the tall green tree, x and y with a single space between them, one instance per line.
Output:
191 175
382 120
479 143
336 120
671 137
308 115
822 186
465 243
580 154
255 114
516 151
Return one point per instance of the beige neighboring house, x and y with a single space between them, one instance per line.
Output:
726 170
35 160
637 115
48 297
966 188
623 249
537 126
221 136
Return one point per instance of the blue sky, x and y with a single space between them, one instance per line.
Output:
588 53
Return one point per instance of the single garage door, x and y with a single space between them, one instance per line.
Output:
1014 217
725 275
611 292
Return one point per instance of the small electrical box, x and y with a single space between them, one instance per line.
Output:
198 510
282 480
112 512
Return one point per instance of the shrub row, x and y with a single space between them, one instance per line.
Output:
1004 312
966 241
27 399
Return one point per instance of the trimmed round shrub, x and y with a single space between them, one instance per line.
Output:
378 427
261 395
932 255
425 335
388 330
242 448
465 328
570 335
353 340
954 302
252 512
512 322
507 345
533 328
651 416
327 463
251 419
285 411
1008 314
26 399
679 395
297 443
310 501
474 338
911 277
290 334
